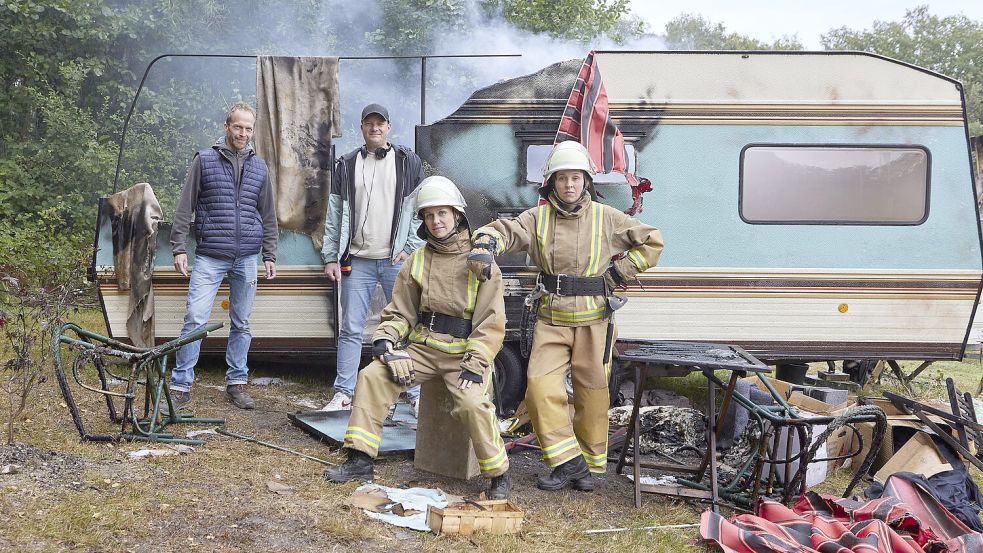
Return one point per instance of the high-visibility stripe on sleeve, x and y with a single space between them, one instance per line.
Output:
637 259
398 325
472 295
482 349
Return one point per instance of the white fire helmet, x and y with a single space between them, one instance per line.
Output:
437 190
569 155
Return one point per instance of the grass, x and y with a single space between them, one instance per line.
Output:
218 499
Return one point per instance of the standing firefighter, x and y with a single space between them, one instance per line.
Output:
454 325
572 240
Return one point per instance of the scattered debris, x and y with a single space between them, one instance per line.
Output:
278 488
660 527
406 508
196 433
665 430
10 469
176 449
306 402
225 432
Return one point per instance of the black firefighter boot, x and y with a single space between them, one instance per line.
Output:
357 467
500 487
574 472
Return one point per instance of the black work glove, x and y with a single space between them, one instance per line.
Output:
613 278
468 374
380 348
482 256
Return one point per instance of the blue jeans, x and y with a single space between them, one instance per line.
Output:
356 296
206 276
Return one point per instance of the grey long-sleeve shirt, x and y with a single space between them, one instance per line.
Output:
181 225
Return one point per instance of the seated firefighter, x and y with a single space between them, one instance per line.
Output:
572 239
454 325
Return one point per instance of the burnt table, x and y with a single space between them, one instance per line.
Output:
671 358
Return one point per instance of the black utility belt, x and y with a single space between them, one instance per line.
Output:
445 324
568 285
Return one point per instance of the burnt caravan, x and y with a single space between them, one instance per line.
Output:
815 207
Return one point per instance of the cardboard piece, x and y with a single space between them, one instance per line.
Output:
919 455
443 444
888 447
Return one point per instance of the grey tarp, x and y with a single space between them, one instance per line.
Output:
298 113
135 214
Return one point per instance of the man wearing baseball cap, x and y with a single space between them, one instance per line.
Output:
367 236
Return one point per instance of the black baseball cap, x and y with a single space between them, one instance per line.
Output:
375 108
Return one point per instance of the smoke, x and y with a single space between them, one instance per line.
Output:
335 28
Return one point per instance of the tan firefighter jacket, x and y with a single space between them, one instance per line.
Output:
579 242
436 279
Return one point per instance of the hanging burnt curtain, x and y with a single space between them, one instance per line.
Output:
298 113
135 214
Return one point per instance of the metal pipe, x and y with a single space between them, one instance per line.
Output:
224 432
423 90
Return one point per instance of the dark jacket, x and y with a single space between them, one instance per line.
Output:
340 221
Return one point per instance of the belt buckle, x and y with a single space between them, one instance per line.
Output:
433 319
559 278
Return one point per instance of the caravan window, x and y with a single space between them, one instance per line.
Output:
536 160
862 185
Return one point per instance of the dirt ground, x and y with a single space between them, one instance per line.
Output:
58 493
62 494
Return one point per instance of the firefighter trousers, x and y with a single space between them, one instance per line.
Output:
581 349
375 392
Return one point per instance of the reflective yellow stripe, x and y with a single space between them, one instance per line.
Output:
594 263
560 448
635 255
475 345
361 434
571 317
457 346
416 271
472 295
542 233
495 462
596 460
398 325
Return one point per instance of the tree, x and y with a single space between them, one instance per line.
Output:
950 45
695 32
579 20
39 285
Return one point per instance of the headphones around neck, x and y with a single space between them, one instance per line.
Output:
379 153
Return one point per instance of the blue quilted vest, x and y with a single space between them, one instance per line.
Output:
227 220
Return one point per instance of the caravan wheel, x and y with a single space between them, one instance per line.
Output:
508 381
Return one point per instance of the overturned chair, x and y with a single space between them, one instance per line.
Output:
146 368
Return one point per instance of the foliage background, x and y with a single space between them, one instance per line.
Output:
69 70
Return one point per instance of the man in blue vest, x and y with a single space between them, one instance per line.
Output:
228 195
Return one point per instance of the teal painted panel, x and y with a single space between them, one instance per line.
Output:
293 248
695 174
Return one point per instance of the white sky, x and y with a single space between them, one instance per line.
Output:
769 19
